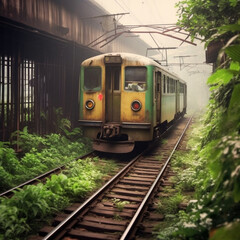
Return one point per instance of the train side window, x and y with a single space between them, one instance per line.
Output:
92 78
168 85
174 86
135 79
164 84
158 81
181 90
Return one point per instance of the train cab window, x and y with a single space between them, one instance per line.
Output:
92 78
135 79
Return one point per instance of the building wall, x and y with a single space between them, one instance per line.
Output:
42 44
70 20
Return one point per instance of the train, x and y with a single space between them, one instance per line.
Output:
126 98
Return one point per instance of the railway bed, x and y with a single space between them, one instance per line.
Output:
116 210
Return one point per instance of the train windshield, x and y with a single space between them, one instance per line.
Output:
135 79
92 78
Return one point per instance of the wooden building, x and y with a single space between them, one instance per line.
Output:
42 44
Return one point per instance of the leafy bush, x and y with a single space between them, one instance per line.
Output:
215 213
40 155
9 166
23 213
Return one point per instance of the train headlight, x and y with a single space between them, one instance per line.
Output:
90 104
136 105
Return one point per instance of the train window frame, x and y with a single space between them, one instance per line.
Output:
97 86
135 85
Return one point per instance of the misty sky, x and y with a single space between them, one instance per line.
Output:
142 12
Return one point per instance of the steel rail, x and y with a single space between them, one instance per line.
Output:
132 224
31 181
63 224
60 229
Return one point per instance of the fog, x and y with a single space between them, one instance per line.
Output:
192 68
195 72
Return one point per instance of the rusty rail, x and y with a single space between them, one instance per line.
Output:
128 232
63 227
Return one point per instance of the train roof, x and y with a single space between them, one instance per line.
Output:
139 59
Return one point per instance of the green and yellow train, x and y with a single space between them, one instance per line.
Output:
127 98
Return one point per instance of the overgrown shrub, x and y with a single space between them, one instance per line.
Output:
215 212
40 154
33 205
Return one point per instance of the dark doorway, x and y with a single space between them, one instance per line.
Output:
113 93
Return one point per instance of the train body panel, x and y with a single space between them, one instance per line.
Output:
168 107
126 98
131 116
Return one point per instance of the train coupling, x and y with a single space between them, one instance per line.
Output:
110 130
113 146
112 141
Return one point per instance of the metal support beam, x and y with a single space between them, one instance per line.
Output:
162 48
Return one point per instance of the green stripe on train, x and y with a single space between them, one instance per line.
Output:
149 95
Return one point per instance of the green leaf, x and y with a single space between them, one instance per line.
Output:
235 99
233 2
235 66
222 76
231 27
233 52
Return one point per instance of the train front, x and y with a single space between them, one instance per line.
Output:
115 102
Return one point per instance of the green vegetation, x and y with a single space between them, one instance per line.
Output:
33 206
120 204
169 205
30 206
203 17
39 154
212 168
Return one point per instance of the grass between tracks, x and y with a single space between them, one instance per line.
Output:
208 180
33 205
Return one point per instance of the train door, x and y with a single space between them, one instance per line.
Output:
158 95
113 93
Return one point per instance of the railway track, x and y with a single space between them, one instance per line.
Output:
116 210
